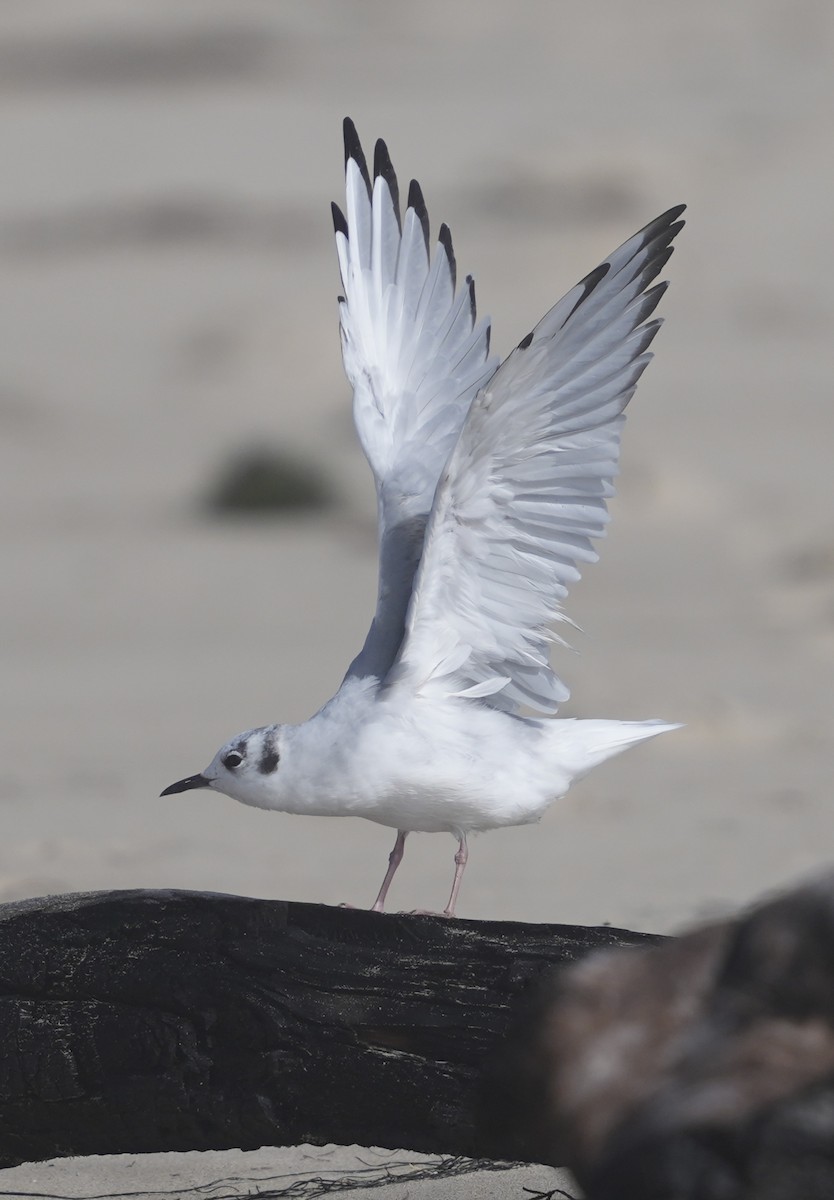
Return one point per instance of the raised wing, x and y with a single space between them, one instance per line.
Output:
415 358
524 490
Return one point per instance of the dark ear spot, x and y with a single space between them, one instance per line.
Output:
269 757
268 763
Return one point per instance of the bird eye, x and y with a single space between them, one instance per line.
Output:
232 760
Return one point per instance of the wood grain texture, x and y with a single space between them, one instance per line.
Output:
150 1021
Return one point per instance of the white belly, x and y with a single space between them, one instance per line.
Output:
447 776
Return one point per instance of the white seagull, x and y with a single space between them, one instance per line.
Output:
491 481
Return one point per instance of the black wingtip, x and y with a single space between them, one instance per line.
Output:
384 167
340 225
591 281
668 233
416 201
651 299
666 224
648 332
473 308
353 147
444 236
657 246
656 264
353 150
525 341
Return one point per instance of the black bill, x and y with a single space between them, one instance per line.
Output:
185 785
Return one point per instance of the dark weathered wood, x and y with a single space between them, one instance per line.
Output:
140 1021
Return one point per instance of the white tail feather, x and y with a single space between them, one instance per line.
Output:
583 744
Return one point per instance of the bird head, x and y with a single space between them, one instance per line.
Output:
244 768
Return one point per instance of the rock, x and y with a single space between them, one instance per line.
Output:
698 1069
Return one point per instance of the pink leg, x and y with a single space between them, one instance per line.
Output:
394 860
460 862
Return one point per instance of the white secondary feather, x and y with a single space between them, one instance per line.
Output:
524 489
415 357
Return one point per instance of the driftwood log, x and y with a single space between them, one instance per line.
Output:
147 1021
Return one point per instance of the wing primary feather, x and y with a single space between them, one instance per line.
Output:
444 236
384 167
658 261
416 201
662 222
340 224
651 299
353 150
651 257
591 280
473 308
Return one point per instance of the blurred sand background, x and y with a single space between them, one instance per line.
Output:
168 284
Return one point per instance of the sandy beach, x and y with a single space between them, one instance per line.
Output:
168 295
